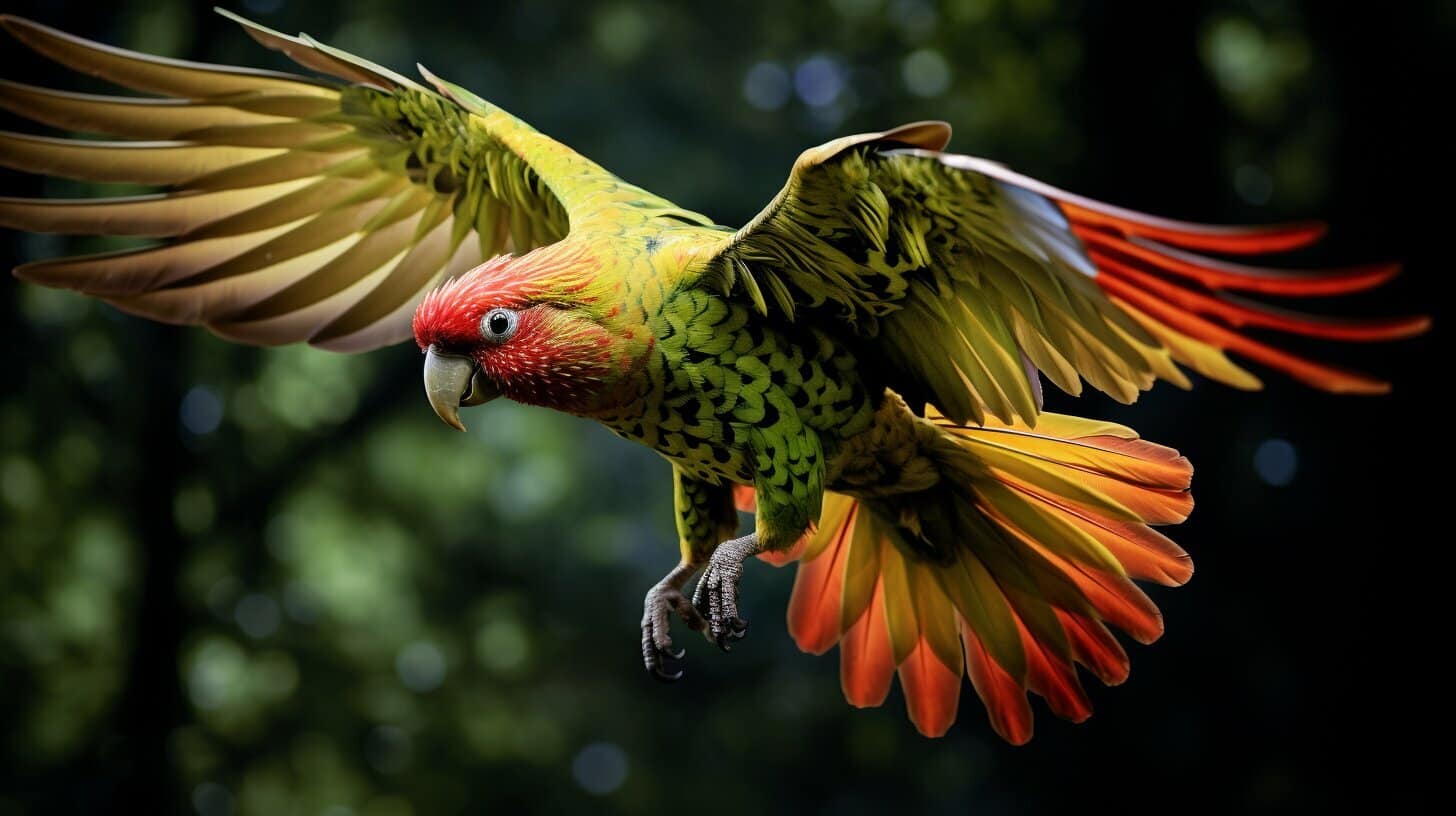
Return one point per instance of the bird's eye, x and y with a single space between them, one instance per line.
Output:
498 325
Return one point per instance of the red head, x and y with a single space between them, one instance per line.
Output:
525 327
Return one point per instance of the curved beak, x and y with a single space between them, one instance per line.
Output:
452 381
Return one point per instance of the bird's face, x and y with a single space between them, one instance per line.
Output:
513 327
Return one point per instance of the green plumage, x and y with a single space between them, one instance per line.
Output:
731 396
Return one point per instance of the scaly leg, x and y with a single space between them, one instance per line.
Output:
716 597
663 600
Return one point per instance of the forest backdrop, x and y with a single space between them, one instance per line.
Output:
270 581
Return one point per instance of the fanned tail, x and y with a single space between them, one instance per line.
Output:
1049 528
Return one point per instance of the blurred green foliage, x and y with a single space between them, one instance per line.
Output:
270 582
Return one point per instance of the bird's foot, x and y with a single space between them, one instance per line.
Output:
716 597
663 601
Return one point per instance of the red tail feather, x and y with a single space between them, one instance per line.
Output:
1240 312
1257 240
1319 375
1055 679
1004 695
866 661
1116 599
814 604
932 691
1216 274
1095 647
1137 257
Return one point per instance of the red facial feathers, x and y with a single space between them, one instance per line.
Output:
559 354
450 315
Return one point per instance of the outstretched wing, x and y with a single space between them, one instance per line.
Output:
297 209
964 279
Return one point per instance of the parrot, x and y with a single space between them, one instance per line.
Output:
860 366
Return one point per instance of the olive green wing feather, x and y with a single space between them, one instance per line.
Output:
961 280
295 209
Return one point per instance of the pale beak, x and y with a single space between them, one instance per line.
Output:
452 381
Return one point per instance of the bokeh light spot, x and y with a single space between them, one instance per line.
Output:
1276 462
535 486
766 86
257 615
502 645
925 72
600 768
421 666
622 32
1256 67
215 674
818 81
201 410
94 356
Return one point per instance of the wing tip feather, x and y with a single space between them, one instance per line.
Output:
928 134
11 22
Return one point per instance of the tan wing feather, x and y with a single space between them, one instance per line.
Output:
298 209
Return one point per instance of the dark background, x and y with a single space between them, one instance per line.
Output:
269 582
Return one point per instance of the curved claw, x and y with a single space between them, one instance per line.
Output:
665 668
664 601
734 629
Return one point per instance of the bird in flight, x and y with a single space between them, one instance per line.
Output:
860 365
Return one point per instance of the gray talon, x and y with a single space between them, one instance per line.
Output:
716 596
664 600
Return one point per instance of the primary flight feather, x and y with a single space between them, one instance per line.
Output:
860 365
